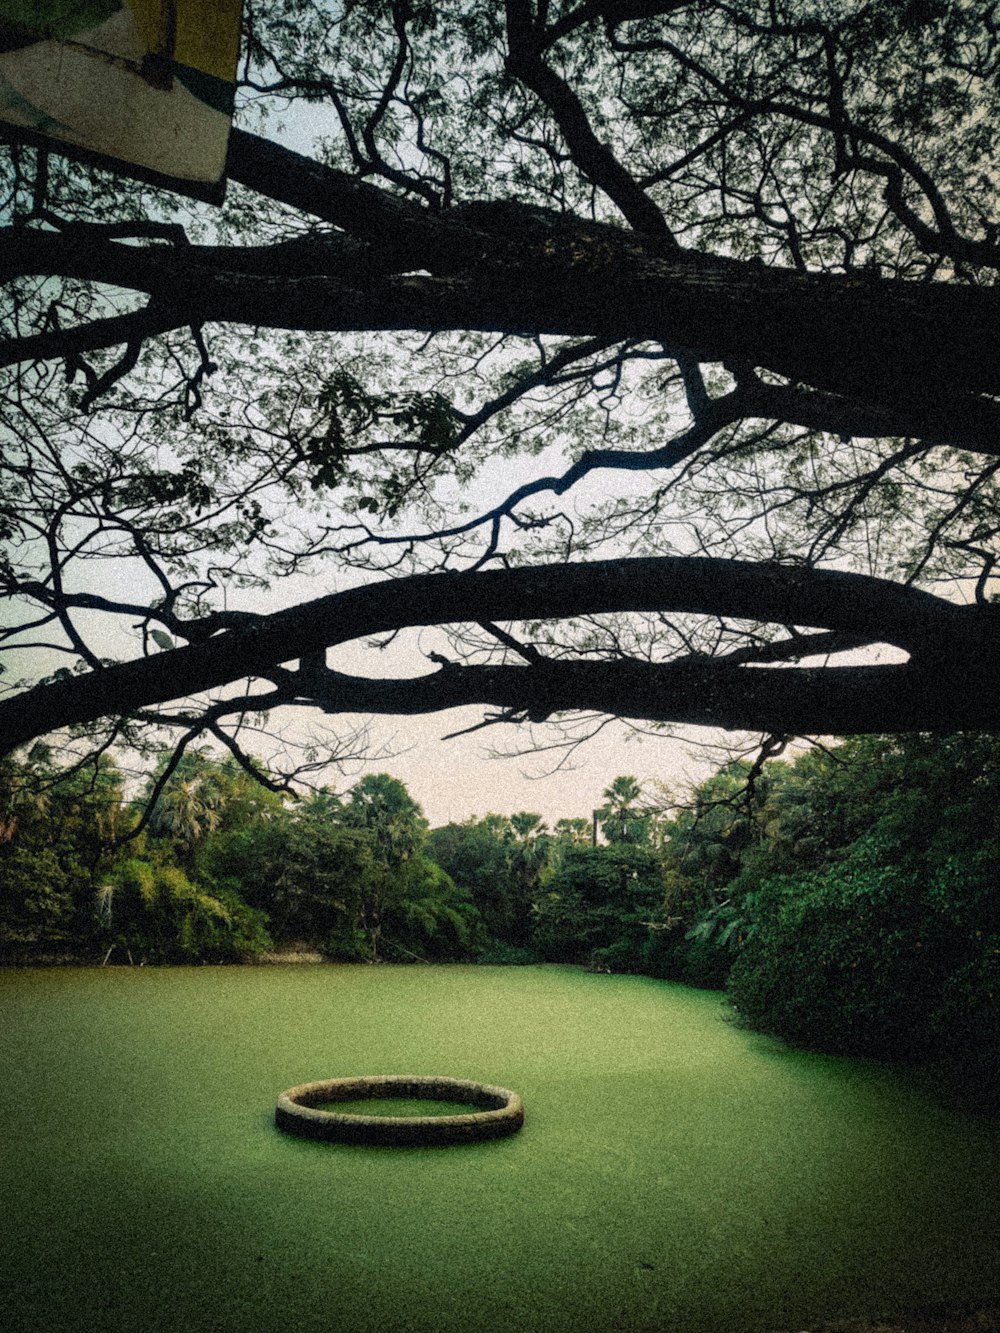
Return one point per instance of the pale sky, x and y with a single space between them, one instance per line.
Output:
453 779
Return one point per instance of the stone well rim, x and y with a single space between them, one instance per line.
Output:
303 1110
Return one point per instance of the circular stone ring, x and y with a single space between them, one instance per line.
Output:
306 1110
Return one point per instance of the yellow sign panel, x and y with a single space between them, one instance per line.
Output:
144 82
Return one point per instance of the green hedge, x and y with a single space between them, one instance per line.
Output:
873 957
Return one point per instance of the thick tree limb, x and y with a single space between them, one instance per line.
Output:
798 701
966 422
96 334
909 356
398 228
946 642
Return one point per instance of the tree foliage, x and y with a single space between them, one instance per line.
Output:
600 906
217 870
54 830
717 277
502 863
882 933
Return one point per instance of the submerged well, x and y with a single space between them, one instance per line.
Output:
309 1110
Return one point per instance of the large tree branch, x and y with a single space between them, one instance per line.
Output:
964 422
800 701
908 355
113 331
398 228
597 162
941 637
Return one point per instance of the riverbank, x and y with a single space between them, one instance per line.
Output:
294 952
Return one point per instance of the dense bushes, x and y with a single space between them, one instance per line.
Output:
848 897
154 913
53 831
344 875
223 870
888 943
597 906
844 959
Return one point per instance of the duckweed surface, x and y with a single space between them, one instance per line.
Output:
399 1106
673 1173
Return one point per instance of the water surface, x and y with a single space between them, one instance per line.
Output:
674 1173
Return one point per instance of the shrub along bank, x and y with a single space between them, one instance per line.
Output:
847 897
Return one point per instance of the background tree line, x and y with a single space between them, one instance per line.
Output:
847 897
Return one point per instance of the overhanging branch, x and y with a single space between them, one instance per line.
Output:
503 267
940 636
799 701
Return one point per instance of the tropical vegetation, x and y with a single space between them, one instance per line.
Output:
845 896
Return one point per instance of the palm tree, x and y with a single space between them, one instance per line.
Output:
529 858
621 820
527 826
188 809
575 831
382 805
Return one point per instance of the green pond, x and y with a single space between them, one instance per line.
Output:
399 1106
673 1173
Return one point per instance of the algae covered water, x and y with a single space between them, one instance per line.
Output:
406 1107
673 1171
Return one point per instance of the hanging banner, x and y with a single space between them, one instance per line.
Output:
144 83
